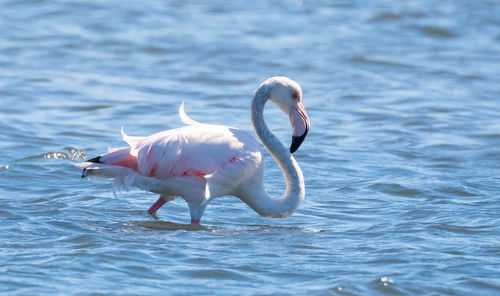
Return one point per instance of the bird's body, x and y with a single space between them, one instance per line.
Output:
205 151
199 162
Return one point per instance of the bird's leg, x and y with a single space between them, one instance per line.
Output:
196 211
163 199
156 206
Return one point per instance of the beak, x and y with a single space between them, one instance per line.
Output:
300 125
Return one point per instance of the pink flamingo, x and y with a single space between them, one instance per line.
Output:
199 162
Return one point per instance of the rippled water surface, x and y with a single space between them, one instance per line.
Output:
402 161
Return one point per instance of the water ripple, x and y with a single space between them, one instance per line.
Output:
401 164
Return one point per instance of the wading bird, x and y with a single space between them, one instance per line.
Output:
199 162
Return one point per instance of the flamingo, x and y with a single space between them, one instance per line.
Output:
199 162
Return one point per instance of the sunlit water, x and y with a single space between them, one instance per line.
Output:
402 161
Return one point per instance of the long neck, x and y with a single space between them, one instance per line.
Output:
259 200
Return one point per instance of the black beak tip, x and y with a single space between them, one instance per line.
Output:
296 142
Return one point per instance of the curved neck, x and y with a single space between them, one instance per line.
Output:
259 200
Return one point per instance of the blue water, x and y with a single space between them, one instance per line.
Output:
402 161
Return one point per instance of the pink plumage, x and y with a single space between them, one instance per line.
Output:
197 151
199 162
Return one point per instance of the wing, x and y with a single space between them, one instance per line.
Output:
216 157
199 150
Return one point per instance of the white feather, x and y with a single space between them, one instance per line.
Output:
186 119
132 141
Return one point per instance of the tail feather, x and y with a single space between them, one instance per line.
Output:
186 119
96 159
132 141
124 177
104 165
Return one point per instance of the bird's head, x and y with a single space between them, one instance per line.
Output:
287 95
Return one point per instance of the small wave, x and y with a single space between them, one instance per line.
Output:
278 227
90 108
155 49
70 153
172 226
461 229
37 80
385 16
364 60
455 191
395 189
386 286
437 32
169 226
216 274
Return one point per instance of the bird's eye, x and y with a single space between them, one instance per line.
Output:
295 96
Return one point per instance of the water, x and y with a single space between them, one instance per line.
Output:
402 161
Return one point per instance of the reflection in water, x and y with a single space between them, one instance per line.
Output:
172 226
